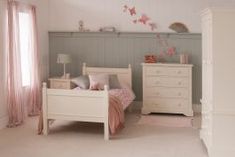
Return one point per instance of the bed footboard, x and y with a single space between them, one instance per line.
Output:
75 105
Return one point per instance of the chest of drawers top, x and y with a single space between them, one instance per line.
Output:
163 69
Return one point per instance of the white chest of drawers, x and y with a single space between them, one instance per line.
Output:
167 88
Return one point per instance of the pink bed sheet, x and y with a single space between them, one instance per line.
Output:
126 96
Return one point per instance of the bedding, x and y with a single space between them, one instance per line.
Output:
124 95
97 81
119 100
82 81
116 115
114 82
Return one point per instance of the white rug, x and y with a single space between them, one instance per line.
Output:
166 120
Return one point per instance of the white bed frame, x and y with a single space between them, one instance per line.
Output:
86 106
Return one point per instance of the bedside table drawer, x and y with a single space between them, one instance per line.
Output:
60 85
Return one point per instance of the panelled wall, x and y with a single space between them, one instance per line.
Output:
120 49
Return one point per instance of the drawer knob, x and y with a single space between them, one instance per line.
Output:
179 94
157 72
179 104
179 83
179 72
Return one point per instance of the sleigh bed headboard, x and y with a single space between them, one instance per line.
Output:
124 74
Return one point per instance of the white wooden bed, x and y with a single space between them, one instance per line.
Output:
87 105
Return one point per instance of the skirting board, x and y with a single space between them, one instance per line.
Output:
3 122
137 105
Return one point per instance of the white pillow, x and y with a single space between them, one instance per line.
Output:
81 81
97 81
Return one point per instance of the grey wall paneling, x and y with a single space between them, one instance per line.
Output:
121 48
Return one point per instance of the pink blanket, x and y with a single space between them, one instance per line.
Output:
116 115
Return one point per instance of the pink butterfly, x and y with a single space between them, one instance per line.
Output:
132 11
143 19
153 26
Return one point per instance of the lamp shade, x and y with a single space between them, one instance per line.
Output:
63 58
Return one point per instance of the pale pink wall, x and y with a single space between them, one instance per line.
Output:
65 14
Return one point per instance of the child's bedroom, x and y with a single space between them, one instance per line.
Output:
117 78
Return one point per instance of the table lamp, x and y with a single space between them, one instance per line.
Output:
64 59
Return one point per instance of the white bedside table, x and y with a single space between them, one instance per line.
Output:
60 83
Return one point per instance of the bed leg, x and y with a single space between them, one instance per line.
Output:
44 109
45 127
106 131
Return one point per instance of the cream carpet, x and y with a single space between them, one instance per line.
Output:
74 139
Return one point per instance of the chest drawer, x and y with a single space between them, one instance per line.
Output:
162 103
155 81
167 92
167 71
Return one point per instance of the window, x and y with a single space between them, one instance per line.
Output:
25 54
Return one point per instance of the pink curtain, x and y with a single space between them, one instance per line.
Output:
22 100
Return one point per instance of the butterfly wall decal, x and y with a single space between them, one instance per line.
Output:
132 11
144 19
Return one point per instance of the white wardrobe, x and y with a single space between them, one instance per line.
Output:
218 81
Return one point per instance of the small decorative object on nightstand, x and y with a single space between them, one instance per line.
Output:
64 59
60 83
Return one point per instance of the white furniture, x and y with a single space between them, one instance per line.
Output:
167 88
60 83
218 82
83 105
